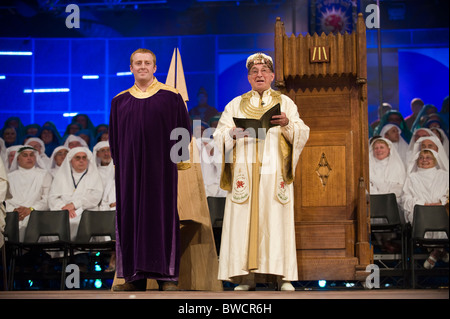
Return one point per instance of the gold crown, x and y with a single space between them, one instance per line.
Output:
259 58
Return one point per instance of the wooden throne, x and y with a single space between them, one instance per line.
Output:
326 76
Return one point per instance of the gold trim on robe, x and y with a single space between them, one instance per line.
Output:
151 90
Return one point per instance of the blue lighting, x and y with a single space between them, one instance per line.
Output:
98 284
16 53
55 90
2 77
123 73
69 114
322 283
90 77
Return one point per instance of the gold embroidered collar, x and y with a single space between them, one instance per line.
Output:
151 90
255 112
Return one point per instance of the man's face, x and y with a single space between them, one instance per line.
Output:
79 162
143 67
429 144
393 134
36 145
105 155
26 159
60 156
260 77
421 133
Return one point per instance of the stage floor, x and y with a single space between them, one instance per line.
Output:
230 295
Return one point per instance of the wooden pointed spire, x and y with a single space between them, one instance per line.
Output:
175 76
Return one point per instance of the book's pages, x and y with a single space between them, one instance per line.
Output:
252 125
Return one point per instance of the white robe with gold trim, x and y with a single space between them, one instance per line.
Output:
279 154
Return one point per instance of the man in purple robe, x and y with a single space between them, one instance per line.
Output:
141 122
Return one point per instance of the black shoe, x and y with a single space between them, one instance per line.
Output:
137 285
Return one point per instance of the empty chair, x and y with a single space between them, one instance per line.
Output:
386 219
42 227
96 232
12 245
426 220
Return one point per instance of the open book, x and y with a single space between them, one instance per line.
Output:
252 125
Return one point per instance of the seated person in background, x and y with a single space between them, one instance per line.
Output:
440 133
387 175
202 111
424 115
39 146
3 156
382 109
57 158
416 106
426 184
75 141
4 195
105 166
387 171
394 117
49 136
392 132
29 185
10 153
77 186
421 132
431 143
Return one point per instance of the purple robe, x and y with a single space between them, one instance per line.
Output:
147 242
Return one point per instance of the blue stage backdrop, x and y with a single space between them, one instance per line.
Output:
43 79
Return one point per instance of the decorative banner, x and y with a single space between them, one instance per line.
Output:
333 16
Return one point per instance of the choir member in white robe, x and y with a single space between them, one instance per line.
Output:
57 158
4 195
76 187
427 184
431 143
105 166
39 145
75 141
3 151
258 235
10 153
30 185
393 133
387 175
211 164
440 133
420 132
387 171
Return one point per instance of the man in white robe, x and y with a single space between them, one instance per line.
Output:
77 186
4 195
105 166
393 133
57 158
258 235
211 164
75 141
427 184
39 145
420 132
30 185
432 143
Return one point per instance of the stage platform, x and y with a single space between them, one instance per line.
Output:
232 295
